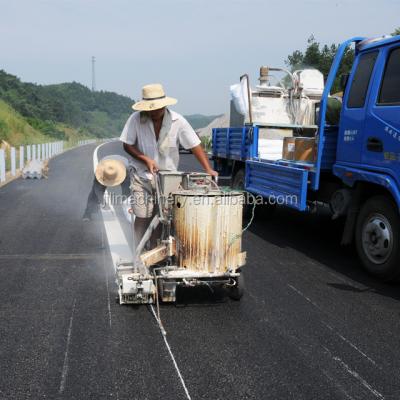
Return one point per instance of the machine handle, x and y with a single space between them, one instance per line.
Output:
375 144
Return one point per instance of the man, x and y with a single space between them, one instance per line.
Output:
152 136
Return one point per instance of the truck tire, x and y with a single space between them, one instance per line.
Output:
378 237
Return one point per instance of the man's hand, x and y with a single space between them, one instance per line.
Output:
134 152
212 172
151 165
203 160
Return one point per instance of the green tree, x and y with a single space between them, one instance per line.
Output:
320 58
396 32
100 114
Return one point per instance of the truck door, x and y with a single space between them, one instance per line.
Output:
352 119
381 141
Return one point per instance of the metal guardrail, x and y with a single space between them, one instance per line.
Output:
87 141
42 151
13 160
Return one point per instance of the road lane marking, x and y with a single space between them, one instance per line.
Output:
66 355
337 359
304 348
359 378
337 384
304 296
119 249
334 330
164 336
117 244
106 277
350 344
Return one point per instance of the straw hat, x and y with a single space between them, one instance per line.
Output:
153 98
110 172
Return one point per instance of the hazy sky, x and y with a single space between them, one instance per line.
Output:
196 48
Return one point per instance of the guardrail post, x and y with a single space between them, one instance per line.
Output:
13 166
43 151
2 165
38 154
34 152
21 157
28 153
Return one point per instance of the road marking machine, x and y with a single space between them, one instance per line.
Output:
200 243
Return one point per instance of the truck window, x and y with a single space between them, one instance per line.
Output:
360 83
390 88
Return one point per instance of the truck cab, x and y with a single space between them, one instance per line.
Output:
368 152
369 135
356 167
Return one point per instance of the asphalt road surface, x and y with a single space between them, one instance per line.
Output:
312 324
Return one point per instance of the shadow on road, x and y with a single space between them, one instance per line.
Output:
318 238
200 296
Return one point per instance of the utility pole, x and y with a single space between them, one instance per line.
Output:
93 74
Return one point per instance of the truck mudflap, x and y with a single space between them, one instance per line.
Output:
279 184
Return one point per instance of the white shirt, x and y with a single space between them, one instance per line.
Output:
175 131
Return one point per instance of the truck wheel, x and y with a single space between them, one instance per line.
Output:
236 292
378 236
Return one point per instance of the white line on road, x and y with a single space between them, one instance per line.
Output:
172 357
359 378
304 296
65 365
337 384
119 249
334 330
106 277
350 344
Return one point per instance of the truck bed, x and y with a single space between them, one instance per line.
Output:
283 181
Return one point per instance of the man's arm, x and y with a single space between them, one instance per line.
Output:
203 159
134 152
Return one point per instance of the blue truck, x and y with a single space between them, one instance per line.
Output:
356 170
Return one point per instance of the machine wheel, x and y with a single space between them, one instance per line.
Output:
378 237
236 292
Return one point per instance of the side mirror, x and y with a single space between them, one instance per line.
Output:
343 81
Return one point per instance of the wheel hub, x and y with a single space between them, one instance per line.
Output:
377 239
